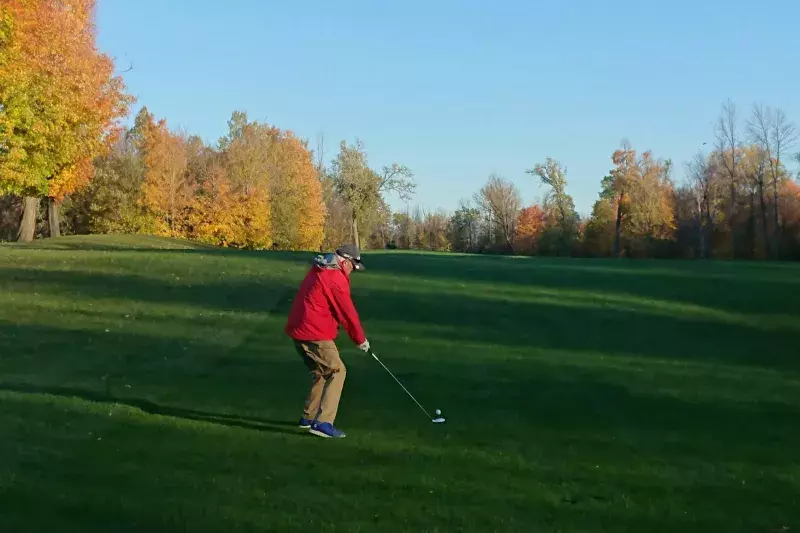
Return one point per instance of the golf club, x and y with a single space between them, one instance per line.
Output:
437 420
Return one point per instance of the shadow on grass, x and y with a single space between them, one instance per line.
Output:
232 294
147 406
743 286
154 245
562 325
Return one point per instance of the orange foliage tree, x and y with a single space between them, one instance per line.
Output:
167 191
529 226
60 102
790 214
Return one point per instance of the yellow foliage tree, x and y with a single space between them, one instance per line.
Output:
60 101
264 161
167 191
298 211
222 217
643 194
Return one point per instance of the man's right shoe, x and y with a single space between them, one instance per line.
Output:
305 423
326 430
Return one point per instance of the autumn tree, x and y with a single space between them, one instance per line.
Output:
434 229
529 227
600 232
616 188
790 202
651 215
297 208
500 200
338 224
774 136
167 190
246 149
642 194
59 102
250 160
704 188
211 215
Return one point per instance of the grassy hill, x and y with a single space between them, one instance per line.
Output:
146 386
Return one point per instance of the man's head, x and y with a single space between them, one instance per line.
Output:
351 258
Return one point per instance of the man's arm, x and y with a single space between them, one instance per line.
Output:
346 312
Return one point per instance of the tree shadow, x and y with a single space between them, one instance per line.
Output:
577 327
232 294
723 286
561 325
150 407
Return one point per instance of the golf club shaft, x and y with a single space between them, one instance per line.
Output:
401 385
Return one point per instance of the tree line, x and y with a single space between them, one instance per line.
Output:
737 201
68 166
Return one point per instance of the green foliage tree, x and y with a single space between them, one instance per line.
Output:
356 183
561 231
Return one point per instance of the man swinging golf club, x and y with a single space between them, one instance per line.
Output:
322 304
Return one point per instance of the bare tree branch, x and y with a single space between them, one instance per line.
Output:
397 179
130 68
729 148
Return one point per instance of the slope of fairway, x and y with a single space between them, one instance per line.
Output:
146 386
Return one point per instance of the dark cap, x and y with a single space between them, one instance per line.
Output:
351 253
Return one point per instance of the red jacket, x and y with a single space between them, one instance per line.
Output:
322 303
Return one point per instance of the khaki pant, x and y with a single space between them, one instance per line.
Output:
327 373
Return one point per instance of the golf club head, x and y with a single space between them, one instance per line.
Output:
438 420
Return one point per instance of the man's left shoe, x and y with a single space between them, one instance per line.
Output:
326 430
305 423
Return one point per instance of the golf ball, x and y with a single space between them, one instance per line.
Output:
438 412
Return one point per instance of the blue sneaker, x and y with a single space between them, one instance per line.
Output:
304 423
326 430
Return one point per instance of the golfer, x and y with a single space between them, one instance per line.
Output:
322 304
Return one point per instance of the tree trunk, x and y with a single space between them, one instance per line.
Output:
777 236
709 231
354 234
54 217
702 235
765 232
617 227
753 232
734 240
27 228
701 232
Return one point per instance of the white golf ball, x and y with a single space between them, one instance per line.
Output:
438 412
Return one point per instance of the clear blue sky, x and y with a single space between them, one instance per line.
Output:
457 90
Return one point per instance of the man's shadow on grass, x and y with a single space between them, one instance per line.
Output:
246 422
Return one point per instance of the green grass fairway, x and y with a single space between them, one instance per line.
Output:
147 386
